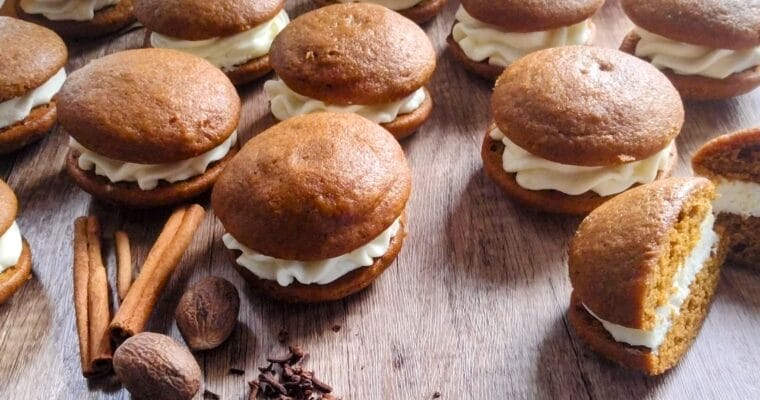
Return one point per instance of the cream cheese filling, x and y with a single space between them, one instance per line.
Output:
69 10
11 246
667 313
18 108
286 103
227 52
392 4
690 59
737 197
147 176
536 173
481 41
319 272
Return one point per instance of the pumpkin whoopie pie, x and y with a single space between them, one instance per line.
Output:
360 58
577 125
732 162
15 255
709 49
32 60
419 11
644 267
234 35
313 207
489 35
77 19
148 127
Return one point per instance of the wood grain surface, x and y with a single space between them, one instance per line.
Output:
474 308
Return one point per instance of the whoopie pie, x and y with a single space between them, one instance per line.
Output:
77 19
15 254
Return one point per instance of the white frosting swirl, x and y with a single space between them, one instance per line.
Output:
392 4
227 52
690 59
18 108
319 272
286 103
10 247
737 197
666 313
536 173
481 41
69 10
148 175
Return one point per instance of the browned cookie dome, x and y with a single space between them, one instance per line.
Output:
29 56
204 19
728 24
149 106
313 187
531 15
8 207
589 106
354 53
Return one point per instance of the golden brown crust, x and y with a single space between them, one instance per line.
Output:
599 127
313 187
406 124
31 129
732 156
29 56
203 19
702 88
421 13
616 251
8 206
106 21
531 15
129 194
347 285
744 237
729 24
356 53
149 106
547 200
13 278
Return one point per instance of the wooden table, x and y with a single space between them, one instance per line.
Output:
475 307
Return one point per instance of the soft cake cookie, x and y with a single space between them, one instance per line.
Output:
709 49
644 267
617 130
148 127
78 19
419 11
313 208
359 58
32 60
489 35
233 35
15 255
732 162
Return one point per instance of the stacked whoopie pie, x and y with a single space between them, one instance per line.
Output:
313 207
489 35
419 11
231 34
360 58
78 19
148 127
32 60
709 49
15 255
575 126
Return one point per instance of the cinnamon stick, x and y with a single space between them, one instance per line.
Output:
155 273
81 286
123 263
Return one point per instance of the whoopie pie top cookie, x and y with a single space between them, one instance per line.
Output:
644 267
148 119
15 256
360 58
314 198
233 35
78 19
32 60
489 35
710 49
419 11
580 119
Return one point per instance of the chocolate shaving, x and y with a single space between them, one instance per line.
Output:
285 378
237 371
283 337
207 394
436 395
336 328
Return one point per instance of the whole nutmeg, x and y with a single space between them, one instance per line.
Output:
207 313
155 366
